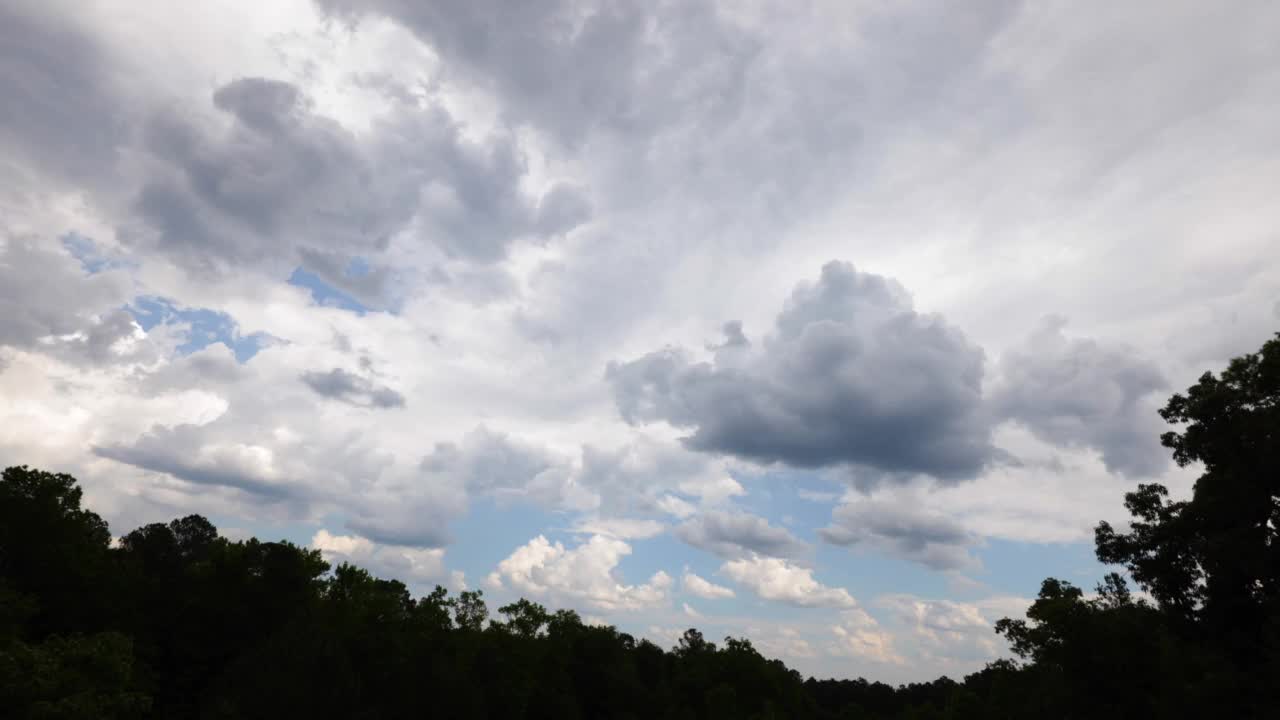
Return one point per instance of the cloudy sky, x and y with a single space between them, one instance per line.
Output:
837 325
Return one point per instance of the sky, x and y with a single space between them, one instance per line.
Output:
836 326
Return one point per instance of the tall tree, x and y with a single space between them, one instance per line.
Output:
1213 561
52 549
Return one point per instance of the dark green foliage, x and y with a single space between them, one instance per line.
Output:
52 549
177 622
77 676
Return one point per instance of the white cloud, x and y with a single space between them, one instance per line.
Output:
677 507
664 636
458 581
950 631
1012 502
859 635
786 643
779 580
621 528
713 487
705 589
412 566
585 574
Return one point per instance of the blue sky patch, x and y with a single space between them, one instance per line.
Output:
325 294
88 253
205 327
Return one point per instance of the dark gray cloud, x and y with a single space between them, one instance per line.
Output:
282 172
737 534
60 113
852 375
1075 392
902 530
275 177
338 384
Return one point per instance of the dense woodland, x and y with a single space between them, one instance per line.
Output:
174 621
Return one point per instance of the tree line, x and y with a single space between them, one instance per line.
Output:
175 621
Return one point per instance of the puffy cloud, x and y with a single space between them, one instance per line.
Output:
413 566
695 584
852 375
782 642
1076 392
938 617
902 528
348 387
585 574
859 635
951 631
734 534
781 581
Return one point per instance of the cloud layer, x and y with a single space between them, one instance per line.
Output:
582 297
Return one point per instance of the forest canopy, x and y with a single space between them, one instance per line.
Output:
176 621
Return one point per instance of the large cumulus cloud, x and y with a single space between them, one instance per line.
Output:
586 575
851 375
